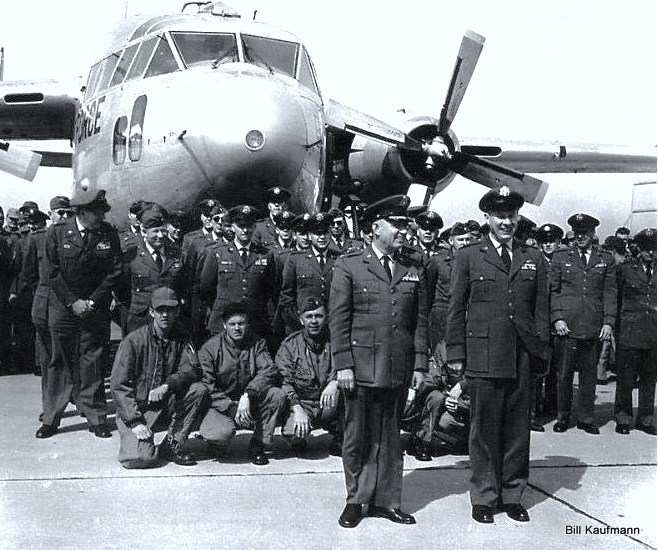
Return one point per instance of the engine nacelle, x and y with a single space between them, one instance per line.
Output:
384 170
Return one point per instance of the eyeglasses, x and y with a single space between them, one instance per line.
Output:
337 223
64 213
217 218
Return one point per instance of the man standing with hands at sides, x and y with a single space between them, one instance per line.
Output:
378 328
498 319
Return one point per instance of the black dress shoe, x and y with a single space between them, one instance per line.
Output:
351 516
423 452
623 429
257 454
587 427
336 447
172 451
536 426
393 514
482 514
651 430
45 431
561 426
100 430
602 382
516 512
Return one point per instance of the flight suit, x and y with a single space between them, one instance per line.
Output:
586 298
88 271
226 279
265 233
303 278
497 319
145 277
378 329
637 343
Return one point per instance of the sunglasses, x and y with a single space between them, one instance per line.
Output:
217 219
64 213
337 222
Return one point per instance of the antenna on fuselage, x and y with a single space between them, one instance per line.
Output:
2 63
254 17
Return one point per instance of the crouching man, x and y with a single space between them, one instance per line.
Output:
155 383
240 375
304 363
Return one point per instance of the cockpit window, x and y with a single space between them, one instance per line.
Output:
100 75
163 61
276 55
307 74
141 59
124 64
199 49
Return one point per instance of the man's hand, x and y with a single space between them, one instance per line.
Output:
12 297
80 308
302 422
142 432
158 393
243 414
452 397
345 379
606 332
561 328
329 397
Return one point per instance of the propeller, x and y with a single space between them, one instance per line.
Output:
19 161
442 149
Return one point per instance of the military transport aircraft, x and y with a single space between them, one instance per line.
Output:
193 105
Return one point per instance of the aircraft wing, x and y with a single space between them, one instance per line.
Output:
34 110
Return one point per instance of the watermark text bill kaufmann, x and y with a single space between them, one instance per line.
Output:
600 530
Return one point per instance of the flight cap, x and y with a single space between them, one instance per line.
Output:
548 232
90 200
319 223
646 239
207 205
582 221
284 220
390 207
299 223
277 194
501 199
429 220
243 214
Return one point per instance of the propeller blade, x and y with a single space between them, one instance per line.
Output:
467 58
19 161
493 175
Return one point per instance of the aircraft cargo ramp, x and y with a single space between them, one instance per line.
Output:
69 492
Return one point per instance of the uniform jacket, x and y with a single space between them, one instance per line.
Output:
144 276
305 371
303 278
198 249
378 327
490 310
265 233
143 363
6 270
441 266
226 279
192 236
637 305
585 298
76 271
229 371
35 276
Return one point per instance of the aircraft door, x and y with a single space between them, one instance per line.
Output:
136 129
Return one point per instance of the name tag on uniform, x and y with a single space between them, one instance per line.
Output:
411 278
531 266
103 245
602 264
261 261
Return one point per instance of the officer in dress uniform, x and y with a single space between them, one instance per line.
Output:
583 313
205 231
241 271
281 249
301 236
636 284
497 320
340 239
378 327
83 262
307 274
265 230
155 264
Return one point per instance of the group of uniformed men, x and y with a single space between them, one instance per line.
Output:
286 320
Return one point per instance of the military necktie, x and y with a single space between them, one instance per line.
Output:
321 261
386 261
243 255
583 259
504 255
649 271
158 259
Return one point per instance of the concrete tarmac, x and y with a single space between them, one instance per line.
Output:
69 492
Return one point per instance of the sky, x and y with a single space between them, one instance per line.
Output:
562 71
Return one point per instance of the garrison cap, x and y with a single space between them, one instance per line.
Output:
148 206
311 304
206 206
473 226
13 213
35 215
152 217
243 213
501 198
548 232
299 223
90 201
582 221
395 206
415 211
236 308
60 202
429 220
336 213
284 220
646 239
616 244
623 230
445 234
460 228
277 194
319 223
27 205
164 296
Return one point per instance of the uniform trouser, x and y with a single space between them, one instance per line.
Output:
78 348
606 358
42 346
635 364
372 453
5 334
181 414
437 335
23 352
499 438
327 418
266 409
433 408
575 354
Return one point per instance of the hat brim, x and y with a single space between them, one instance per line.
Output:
169 303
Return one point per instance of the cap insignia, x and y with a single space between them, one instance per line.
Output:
504 191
